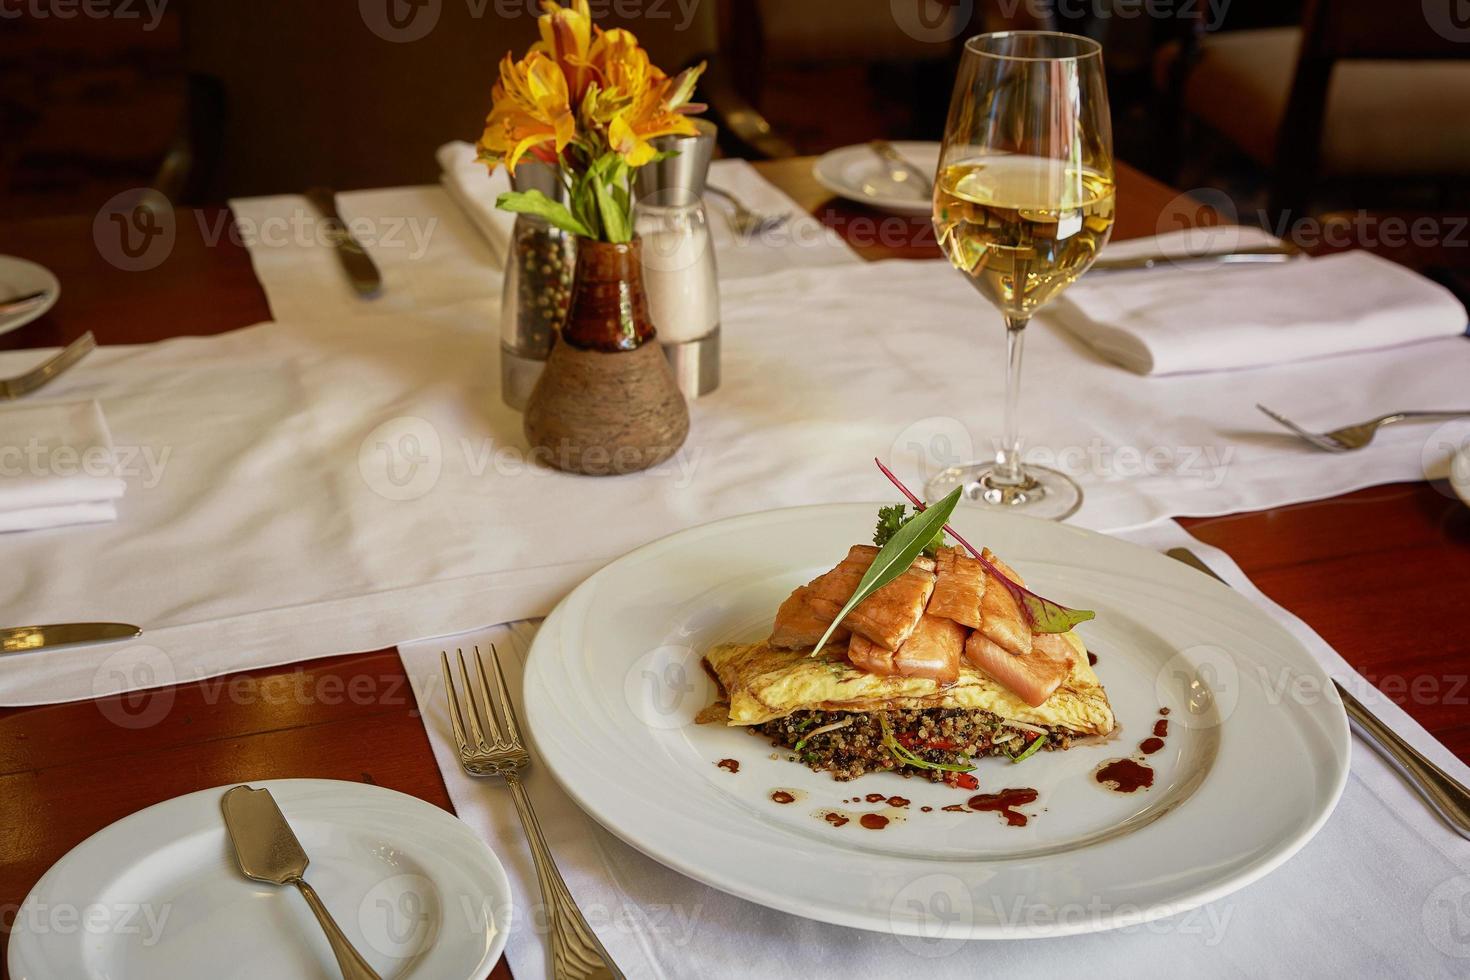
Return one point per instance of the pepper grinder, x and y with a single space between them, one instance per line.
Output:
538 286
679 272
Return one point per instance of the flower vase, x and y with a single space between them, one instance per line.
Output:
607 402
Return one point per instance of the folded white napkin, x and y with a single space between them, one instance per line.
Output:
1182 318
57 467
802 240
474 188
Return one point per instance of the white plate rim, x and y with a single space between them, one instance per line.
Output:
53 285
1284 850
824 171
1460 474
497 883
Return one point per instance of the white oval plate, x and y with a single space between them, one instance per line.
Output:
856 173
19 277
158 896
1256 757
1460 474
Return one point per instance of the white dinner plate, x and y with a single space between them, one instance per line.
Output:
158 896
1253 763
19 277
858 174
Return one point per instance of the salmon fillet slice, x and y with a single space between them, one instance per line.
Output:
888 617
1002 621
864 654
959 584
1032 677
802 619
933 650
840 583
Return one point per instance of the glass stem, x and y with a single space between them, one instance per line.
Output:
1008 470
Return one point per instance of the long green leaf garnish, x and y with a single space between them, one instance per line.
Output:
536 203
1043 615
895 557
908 758
1032 749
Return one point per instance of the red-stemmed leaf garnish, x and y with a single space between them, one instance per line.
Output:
1043 615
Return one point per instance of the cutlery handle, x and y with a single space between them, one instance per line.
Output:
1438 788
349 960
576 953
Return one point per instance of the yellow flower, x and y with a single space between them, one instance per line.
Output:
633 99
530 110
566 38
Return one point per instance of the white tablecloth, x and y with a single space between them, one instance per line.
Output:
1381 891
348 484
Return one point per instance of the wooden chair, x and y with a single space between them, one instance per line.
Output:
1361 89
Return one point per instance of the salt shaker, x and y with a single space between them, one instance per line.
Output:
537 289
679 273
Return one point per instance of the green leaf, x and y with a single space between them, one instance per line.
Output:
1047 616
895 557
609 174
891 518
537 203
1030 750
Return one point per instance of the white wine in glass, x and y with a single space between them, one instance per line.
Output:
1023 202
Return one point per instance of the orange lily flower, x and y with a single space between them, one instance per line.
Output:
531 110
566 38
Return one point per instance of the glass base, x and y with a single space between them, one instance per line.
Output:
1045 493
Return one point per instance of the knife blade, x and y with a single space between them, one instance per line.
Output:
900 165
361 271
267 850
1283 252
17 639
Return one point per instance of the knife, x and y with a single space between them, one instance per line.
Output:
268 851
1439 789
361 272
17 639
1283 252
898 164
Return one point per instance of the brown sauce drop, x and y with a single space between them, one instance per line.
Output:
926 809
897 801
1005 803
876 798
1163 711
1091 659
729 765
1161 728
1150 745
873 821
782 796
835 819
1125 775
955 808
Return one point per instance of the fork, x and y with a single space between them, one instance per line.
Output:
575 951
748 223
43 375
1351 437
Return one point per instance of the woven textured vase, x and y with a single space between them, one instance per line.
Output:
607 402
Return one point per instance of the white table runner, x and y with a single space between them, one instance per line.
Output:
1381 891
348 484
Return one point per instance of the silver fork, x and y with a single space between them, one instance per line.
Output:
575 951
748 223
1351 437
39 377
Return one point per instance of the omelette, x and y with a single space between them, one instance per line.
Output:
931 671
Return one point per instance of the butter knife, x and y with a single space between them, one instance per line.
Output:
268 851
900 168
1256 254
1444 794
362 273
17 639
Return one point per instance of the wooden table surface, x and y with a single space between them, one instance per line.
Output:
1382 573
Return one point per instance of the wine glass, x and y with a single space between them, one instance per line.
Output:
1023 202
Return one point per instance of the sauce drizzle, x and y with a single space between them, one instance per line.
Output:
1125 775
782 796
1005 803
729 765
873 821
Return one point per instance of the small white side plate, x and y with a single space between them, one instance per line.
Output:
158 896
859 174
18 277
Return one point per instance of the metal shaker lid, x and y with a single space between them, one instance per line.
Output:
531 174
686 169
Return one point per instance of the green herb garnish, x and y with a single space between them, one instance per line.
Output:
1030 750
908 758
892 518
895 557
